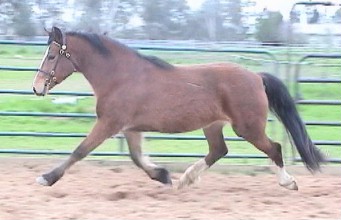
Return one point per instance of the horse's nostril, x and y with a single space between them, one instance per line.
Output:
34 90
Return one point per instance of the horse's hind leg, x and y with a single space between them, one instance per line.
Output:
155 172
217 149
255 134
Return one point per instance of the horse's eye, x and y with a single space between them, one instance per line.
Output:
50 57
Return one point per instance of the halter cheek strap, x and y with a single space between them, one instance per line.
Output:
62 52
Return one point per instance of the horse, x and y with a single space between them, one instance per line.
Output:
137 93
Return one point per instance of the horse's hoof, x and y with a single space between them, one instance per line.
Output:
42 181
185 181
163 176
292 185
47 179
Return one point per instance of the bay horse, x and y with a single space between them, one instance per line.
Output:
136 93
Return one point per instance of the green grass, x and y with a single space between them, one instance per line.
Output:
30 56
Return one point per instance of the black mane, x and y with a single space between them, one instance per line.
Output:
156 61
95 41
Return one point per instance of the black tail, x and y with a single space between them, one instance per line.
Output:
283 106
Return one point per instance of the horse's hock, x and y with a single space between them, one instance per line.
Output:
103 190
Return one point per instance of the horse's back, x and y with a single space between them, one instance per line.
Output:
240 92
230 77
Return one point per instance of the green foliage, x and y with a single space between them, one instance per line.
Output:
165 18
22 21
217 20
90 18
268 27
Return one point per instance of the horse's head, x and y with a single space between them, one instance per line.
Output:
56 65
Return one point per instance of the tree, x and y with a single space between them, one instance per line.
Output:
119 15
233 24
268 27
50 13
165 19
6 16
90 18
22 20
107 16
218 20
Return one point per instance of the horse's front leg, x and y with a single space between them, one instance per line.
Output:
100 132
155 172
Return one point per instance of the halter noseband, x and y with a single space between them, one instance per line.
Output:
62 52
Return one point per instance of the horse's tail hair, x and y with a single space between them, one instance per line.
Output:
283 106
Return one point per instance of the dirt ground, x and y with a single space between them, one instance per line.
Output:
93 190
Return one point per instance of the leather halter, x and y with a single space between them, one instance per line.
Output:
50 76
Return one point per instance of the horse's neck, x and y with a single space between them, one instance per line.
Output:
105 73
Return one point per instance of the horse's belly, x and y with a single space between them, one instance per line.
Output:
168 127
176 121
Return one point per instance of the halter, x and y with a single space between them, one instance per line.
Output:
62 52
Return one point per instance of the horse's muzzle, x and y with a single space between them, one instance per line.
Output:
38 93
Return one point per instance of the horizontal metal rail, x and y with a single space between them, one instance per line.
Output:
16 68
119 136
29 92
331 160
162 48
24 43
57 114
330 143
170 155
90 115
49 114
318 80
167 155
319 55
148 137
318 102
323 123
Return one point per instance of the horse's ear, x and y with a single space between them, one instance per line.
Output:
46 31
57 35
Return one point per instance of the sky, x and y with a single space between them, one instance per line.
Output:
283 6
270 4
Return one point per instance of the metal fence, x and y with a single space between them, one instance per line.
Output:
317 80
120 152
